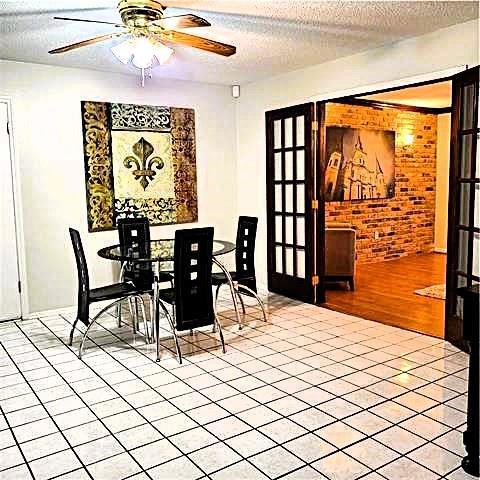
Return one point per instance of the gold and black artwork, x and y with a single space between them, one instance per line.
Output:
139 161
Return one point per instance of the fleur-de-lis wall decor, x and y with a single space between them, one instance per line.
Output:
145 168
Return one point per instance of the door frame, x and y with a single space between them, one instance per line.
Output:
17 206
432 78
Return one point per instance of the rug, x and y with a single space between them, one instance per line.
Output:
435 291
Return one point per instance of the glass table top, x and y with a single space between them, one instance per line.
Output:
155 251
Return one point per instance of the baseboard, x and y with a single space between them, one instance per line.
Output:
440 250
49 313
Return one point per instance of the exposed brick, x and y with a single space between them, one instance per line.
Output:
405 223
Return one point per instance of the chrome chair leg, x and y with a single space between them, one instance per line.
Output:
70 342
145 323
132 314
174 332
93 321
254 294
241 300
216 322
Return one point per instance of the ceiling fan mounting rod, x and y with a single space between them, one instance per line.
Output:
140 13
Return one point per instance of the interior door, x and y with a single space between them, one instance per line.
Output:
291 203
463 259
9 281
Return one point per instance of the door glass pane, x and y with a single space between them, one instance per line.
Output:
300 198
459 309
277 134
288 165
278 260
467 106
476 254
464 203
462 251
477 161
288 133
477 205
300 231
300 131
278 166
278 229
289 198
301 263
289 230
289 260
300 165
466 156
278 198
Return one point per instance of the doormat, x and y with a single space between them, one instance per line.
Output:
435 291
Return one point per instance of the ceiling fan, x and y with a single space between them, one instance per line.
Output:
148 30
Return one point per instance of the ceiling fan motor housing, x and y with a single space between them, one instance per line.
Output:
140 13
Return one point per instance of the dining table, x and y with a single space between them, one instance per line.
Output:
160 253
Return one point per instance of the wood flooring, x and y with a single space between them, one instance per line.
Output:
384 293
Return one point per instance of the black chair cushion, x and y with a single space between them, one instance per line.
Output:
167 295
112 292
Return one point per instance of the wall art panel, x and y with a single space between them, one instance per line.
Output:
139 161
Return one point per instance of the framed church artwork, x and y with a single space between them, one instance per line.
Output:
140 160
360 164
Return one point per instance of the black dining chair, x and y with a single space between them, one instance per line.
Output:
191 297
244 277
115 293
135 233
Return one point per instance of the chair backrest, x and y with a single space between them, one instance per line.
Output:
136 232
83 279
193 278
245 251
133 231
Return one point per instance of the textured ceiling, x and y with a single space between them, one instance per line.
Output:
272 37
437 95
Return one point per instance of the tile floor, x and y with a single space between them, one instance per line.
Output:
312 394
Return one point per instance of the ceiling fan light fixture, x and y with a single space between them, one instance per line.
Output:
162 53
124 51
142 51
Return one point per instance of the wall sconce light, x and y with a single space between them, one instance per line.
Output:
406 139
236 91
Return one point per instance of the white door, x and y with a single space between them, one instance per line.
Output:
9 279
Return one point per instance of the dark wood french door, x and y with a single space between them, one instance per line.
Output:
292 204
463 258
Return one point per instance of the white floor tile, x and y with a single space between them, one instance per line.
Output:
276 462
341 466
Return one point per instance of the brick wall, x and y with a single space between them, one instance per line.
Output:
405 223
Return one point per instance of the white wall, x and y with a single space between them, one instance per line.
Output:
443 49
49 154
441 190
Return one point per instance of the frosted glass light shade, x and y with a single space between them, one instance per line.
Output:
143 53
124 51
143 50
162 52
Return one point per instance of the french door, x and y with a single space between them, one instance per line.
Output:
463 259
292 204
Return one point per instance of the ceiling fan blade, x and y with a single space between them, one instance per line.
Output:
88 21
181 21
87 42
200 43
